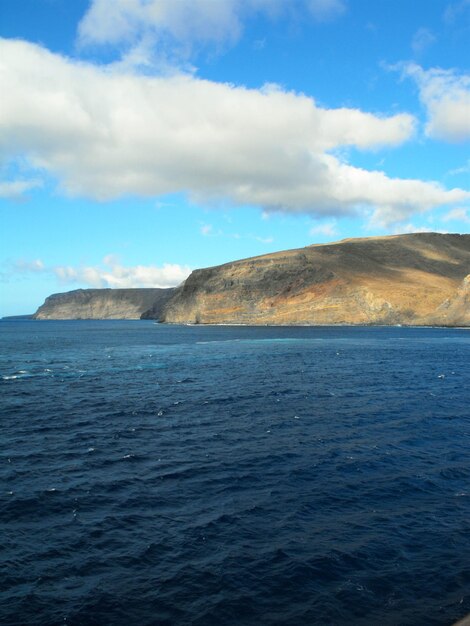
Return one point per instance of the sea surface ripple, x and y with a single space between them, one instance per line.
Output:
178 475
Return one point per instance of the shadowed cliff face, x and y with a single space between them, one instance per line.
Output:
403 279
103 304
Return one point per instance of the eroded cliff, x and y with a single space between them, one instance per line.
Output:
103 304
405 279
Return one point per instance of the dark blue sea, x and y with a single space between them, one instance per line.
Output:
191 475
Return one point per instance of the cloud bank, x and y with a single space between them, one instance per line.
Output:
105 133
108 274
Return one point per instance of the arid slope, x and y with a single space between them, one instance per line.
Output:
405 279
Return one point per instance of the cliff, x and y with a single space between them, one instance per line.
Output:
103 304
414 279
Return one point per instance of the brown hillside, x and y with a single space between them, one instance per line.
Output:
403 279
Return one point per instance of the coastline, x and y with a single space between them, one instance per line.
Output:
20 318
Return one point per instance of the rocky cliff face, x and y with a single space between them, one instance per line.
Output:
454 311
103 304
159 302
405 279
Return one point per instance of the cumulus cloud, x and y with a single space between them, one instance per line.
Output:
104 133
110 273
446 97
185 21
172 27
117 276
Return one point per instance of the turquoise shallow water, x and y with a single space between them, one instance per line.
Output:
227 475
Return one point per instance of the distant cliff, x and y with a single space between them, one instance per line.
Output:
17 318
415 279
103 304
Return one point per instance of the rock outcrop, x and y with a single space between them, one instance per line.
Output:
454 311
414 279
103 304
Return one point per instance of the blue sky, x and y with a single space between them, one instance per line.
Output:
140 139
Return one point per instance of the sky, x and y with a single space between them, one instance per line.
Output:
141 139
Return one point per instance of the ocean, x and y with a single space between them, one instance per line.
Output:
216 475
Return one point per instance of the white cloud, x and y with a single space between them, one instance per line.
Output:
263 239
207 230
446 96
108 274
422 39
458 214
15 189
328 230
151 29
465 169
113 274
184 22
104 133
